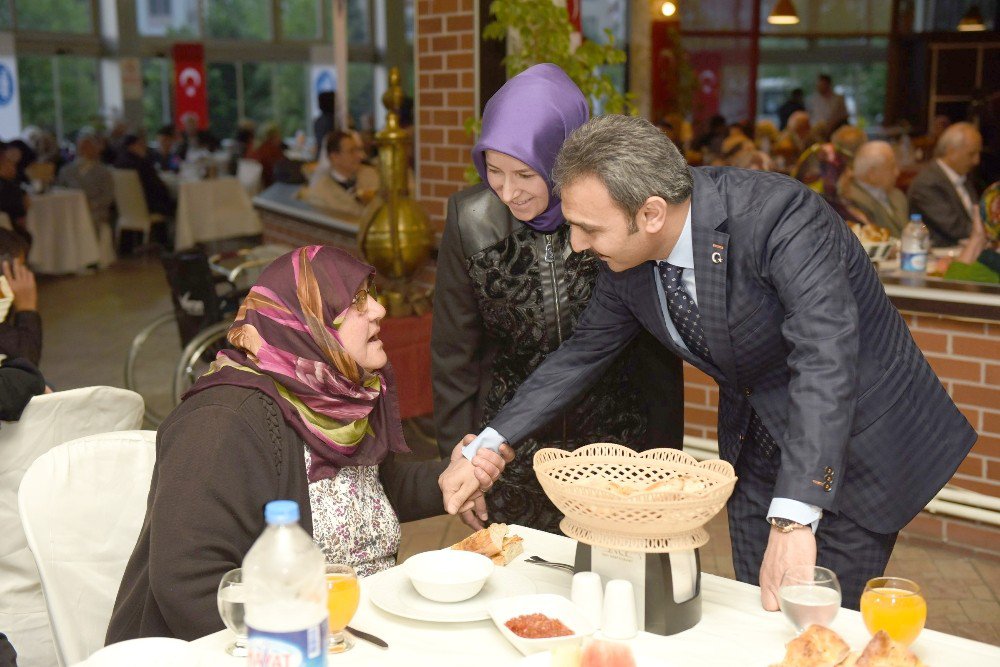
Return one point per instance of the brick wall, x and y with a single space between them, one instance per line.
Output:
445 97
966 357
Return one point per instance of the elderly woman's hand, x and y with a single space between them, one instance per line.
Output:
487 466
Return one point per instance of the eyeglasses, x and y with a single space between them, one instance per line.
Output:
360 300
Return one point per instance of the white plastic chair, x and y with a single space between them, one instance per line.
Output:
47 421
133 213
249 173
82 504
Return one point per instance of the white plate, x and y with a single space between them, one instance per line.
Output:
392 591
543 660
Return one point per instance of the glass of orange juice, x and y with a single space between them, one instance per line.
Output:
894 605
342 596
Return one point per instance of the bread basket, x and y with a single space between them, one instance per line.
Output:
601 490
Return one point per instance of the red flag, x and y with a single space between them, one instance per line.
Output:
190 85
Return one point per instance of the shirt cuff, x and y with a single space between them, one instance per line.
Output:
489 439
799 512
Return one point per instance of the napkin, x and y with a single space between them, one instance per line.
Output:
6 298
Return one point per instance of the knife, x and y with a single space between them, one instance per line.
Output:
367 637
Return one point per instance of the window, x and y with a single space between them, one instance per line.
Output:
833 16
291 86
361 94
223 110
59 93
54 15
157 92
358 22
301 19
6 22
238 19
167 18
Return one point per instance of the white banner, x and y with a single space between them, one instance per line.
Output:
10 101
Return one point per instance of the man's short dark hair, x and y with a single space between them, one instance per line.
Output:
130 140
166 131
12 245
797 92
327 101
334 139
825 77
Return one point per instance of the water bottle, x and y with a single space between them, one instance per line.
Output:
916 242
286 612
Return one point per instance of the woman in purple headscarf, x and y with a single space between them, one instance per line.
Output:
303 408
510 289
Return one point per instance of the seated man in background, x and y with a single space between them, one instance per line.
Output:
134 155
873 188
14 200
87 173
349 184
164 156
20 323
941 192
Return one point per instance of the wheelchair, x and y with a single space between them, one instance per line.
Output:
205 292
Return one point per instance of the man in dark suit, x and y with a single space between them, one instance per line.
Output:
829 412
942 193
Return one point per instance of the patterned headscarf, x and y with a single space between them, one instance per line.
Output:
288 346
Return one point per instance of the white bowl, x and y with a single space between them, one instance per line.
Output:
448 575
553 606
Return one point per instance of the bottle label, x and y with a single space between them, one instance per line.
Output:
299 648
913 261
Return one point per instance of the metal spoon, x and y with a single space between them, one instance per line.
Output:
372 639
538 560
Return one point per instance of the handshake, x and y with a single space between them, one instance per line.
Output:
463 482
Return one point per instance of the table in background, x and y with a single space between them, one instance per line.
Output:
213 209
734 629
63 237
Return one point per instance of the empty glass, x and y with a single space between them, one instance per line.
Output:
809 595
231 598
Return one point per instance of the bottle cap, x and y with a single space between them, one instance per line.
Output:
281 512
916 217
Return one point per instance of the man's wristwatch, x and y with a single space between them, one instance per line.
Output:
784 525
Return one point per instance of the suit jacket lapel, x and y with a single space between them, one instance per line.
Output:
711 247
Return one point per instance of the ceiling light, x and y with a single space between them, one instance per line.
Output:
668 8
783 13
972 21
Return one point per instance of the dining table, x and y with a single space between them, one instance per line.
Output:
63 237
734 628
213 209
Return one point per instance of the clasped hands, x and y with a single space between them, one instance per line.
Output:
463 482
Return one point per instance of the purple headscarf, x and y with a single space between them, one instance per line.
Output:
529 118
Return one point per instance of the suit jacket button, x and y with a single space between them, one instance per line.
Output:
828 470
827 487
742 437
748 391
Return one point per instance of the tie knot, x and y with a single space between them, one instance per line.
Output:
671 276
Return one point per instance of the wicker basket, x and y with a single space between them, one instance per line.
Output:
650 521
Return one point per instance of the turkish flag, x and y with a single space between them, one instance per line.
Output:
190 85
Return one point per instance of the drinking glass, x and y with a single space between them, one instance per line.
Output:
809 595
231 599
342 596
894 605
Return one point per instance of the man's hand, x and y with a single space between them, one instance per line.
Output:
784 550
22 284
455 484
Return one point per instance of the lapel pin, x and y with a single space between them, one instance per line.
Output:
718 246
716 257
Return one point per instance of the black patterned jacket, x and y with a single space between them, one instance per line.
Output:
506 296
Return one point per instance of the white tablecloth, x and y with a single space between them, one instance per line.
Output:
734 629
214 209
63 233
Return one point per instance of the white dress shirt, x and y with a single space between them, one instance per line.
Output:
682 255
958 182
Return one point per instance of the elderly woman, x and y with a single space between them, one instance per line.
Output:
510 289
305 409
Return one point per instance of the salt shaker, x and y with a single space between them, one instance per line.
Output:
587 594
619 617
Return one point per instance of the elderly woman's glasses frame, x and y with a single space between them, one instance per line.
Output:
360 300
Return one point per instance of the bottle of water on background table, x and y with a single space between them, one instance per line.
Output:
283 574
916 243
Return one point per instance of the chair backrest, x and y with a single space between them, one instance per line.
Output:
133 213
82 505
48 420
249 174
192 291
